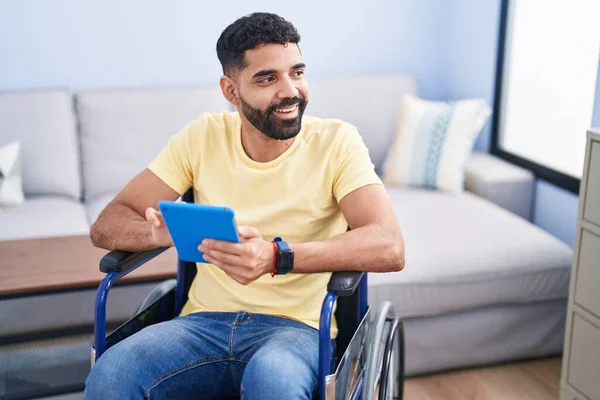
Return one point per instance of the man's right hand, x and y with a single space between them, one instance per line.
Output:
160 233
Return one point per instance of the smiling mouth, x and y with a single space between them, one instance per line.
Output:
286 110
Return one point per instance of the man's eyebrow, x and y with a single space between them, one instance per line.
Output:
265 72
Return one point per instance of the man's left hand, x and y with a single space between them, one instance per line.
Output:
244 262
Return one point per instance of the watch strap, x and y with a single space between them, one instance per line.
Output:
285 257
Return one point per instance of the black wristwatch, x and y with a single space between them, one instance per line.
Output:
285 257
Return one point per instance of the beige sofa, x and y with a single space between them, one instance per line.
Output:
481 284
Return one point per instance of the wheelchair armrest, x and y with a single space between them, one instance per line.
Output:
119 261
344 283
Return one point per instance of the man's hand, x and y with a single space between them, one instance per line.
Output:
244 262
160 234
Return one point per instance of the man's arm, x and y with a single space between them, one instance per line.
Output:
127 221
373 244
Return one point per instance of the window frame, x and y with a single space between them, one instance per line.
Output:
540 171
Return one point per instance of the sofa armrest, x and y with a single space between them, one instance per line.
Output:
501 182
344 283
119 261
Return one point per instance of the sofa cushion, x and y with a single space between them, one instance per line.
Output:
123 130
95 206
375 118
44 123
501 182
465 252
43 217
433 142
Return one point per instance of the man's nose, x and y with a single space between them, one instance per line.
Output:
287 89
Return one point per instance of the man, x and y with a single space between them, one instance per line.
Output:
244 331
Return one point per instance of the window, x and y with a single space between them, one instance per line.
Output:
546 83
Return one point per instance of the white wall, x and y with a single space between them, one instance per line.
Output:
107 44
469 47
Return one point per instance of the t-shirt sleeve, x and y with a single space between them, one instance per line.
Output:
355 168
173 164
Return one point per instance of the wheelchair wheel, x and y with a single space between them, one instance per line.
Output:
392 374
384 369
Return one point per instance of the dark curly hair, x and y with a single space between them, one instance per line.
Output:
249 32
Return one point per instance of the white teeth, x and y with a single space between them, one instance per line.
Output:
286 110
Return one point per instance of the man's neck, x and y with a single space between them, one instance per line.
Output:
260 147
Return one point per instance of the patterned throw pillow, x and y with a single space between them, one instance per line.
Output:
433 142
11 189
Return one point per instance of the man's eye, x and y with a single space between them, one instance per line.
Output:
267 79
299 73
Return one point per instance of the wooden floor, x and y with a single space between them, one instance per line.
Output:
529 380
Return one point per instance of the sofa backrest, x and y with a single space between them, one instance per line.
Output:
44 123
370 102
123 130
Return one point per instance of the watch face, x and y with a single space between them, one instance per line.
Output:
286 260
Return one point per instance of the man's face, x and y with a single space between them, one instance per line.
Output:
272 90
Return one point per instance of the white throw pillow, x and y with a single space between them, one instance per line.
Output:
433 142
11 187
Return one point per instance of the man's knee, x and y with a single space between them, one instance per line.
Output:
280 373
116 372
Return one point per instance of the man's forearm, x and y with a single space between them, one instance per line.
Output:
121 228
372 248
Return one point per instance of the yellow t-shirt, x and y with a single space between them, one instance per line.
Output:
294 196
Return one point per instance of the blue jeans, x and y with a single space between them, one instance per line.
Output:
211 355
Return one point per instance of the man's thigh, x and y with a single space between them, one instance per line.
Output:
284 364
174 359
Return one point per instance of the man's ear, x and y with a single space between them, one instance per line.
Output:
228 89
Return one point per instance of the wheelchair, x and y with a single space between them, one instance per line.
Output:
369 349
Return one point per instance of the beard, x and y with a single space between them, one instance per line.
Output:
267 122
